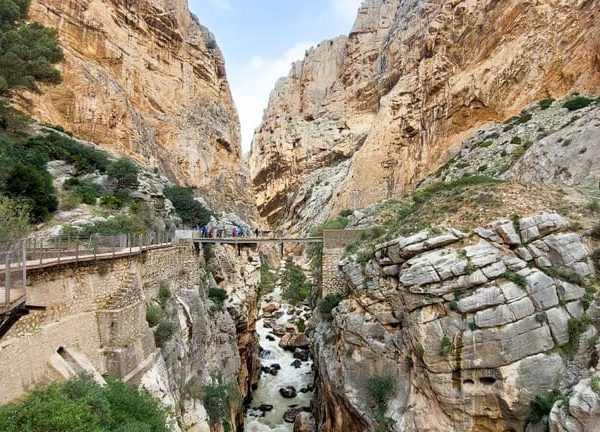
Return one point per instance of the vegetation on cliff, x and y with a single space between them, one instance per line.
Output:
294 283
81 405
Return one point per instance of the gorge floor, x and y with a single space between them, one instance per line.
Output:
281 369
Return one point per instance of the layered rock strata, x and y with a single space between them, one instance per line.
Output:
146 80
467 327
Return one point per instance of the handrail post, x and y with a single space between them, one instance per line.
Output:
58 249
7 276
94 248
24 257
41 250
129 240
77 252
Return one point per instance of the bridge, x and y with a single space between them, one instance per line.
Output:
44 254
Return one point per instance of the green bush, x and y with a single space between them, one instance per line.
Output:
380 391
596 258
301 325
445 345
595 384
31 186
80 405
87 190
268 280
218 400
516 140
596 232
577 102
566 275
594 206
546 103
153 315
112 202
576 327
164 293
114 226
163 333
329 303
15 221
542 405
294 284
346 213
518 279
124 174
189 210
218 296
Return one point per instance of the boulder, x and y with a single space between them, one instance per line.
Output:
292 341
305 422
271 308
291 414
288 392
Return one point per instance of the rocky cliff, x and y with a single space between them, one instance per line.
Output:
145 79
364 117
471 327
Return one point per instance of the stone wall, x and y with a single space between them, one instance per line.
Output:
334 245
95 310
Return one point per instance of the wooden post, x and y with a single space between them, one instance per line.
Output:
77 252
41 250
130 241
112 247
95 258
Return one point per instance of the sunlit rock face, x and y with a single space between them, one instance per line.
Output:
146 80
363 117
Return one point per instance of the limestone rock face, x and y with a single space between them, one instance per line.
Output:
146 80
364 117
469 327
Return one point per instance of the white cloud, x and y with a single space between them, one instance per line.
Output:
345 10
222 4
252 85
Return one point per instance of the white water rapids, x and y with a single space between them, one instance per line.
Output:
269 385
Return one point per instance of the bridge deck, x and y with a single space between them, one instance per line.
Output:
255 240
17 297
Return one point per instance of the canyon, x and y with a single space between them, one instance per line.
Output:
445 157
363 118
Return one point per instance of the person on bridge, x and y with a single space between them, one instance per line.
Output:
256 232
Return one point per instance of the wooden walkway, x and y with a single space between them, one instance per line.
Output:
257 240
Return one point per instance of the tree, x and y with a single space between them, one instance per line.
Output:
14 221
125 175
33 188
28 53
189 210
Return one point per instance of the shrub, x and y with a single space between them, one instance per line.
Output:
596 258
218 400
595 384
346 213
540 318
208 252
217 296
30 185
294 284
329 303
162 333
546 103
518 279
596 232
445 345
164 293
124 173
88 191
189 210
153 315
594 206
577 102
80 405
268 279
380 391
15 221
542 405
111 202
576 327
301 325
516 140
566 275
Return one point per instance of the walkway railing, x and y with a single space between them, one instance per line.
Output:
19 256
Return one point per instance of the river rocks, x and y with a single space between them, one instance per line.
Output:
292 341
475 319
271 308
271 369
305 422
265 407
288 392
270 338
291 414
301 354
297 364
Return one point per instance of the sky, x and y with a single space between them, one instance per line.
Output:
260 40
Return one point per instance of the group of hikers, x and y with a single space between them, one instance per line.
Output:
234 232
